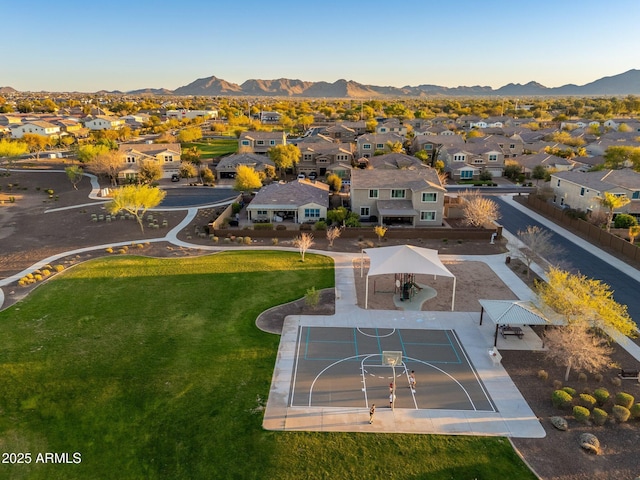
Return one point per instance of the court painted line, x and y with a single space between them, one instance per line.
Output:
475 374
446 332
473 405
324 370
295 370
393 330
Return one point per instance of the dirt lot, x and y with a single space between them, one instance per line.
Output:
28 233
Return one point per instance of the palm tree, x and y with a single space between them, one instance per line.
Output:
612 202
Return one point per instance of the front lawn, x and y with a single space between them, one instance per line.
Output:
153 368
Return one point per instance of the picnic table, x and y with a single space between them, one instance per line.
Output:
507 330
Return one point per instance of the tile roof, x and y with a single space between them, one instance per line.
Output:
418 179
291 195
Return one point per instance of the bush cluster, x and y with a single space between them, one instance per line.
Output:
624 399
561 399
601 395
39 275
581 414
599 416
586 400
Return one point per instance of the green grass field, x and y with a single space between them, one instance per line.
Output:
153 368
215 147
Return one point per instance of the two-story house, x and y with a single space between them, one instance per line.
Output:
369 144
260 142
410 197
167 155
391 125
227 166
104 122
46 129
391 161
340 133
579 190
318 158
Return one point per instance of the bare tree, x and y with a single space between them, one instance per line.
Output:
576 346
303 242
478 210
538 245
108 163
332 234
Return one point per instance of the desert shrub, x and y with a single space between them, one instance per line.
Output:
569 390
239 239
557 384
265 226
281 227
598 377
29 276
624 399
635 411
247 240
543 375
587 400
624 220
48 267
601 395
620 413
561 399
109 250
582 377
226 240
215 239
58 268
599 416
22 282
122 251
369 244
235 207
306 227
37 272
274 241
616 381
312 297
37 277
45 272
320 225
139 246
581 414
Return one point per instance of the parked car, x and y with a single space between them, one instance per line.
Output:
313 175
175 177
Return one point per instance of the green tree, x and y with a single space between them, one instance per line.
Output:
337 215
284 156
610 203
11 150
380 231
335 182
74 174
136 200
207 176
247 179
634 231
584 300
149 171
188 170
395 147
189 134
617 157
539 172
37 143
305 121
87 153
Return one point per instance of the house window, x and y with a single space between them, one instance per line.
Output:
635 195
379 146
428 146
427 216
312 213
558 184
272 142
261 212
364 211
466 173
513 145
383 130
245 143
168 158
493 158
582 192
307 157
429 196
366 146
131 159
459 158
373 193
259 142
478 161
397 193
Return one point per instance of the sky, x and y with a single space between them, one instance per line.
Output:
79 45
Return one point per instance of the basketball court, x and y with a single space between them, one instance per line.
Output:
345 367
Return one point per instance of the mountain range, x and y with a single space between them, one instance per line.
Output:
627 83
